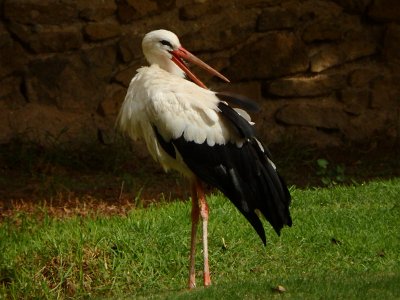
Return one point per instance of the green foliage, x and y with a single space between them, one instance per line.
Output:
344 244
330 175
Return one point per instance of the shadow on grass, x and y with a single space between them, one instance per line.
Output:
122 173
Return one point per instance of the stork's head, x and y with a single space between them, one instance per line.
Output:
162 47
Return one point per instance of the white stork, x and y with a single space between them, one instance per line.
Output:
195 131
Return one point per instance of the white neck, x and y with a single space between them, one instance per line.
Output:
169 66
166 64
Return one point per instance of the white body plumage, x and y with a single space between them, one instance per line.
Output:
176 107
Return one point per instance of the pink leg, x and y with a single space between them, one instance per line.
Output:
195 221
204 215
199 207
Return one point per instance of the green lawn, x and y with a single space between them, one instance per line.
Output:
344 244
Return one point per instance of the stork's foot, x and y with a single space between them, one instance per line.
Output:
207 279
192 283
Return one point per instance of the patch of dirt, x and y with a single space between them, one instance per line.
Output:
65 183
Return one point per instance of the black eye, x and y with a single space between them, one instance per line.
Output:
166 43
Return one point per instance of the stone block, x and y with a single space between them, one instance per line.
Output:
49 38
354 6
251 3
361 78
324 113
391 45
330 29
6 132
11 92
129 10
115 95
13 58
101 61
194 11
384 10
356 101
125 76
306 86
40 11
311 10
74 83
5 37
273 55
101 31
330 55
385 94
130 47
369 125
273 18
46 124
311 136
96 10
216 34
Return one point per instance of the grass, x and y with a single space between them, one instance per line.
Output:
344 245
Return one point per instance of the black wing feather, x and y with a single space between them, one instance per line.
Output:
244 128
238 101
244 174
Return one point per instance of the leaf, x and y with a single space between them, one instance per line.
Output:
326 180
340 169
279 289
322 163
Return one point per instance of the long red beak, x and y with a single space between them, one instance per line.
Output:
182 53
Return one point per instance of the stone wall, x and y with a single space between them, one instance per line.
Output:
325 72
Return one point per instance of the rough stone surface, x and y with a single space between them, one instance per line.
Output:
11 92
355 6
384 10
197 10
324 72
353 48
96 10
49 38
391 48
109 107
273 18
47 124
275 54
12 56
303 86
324 113
130 47
102 31
221 31
356 100
40 12
129 10
330 29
